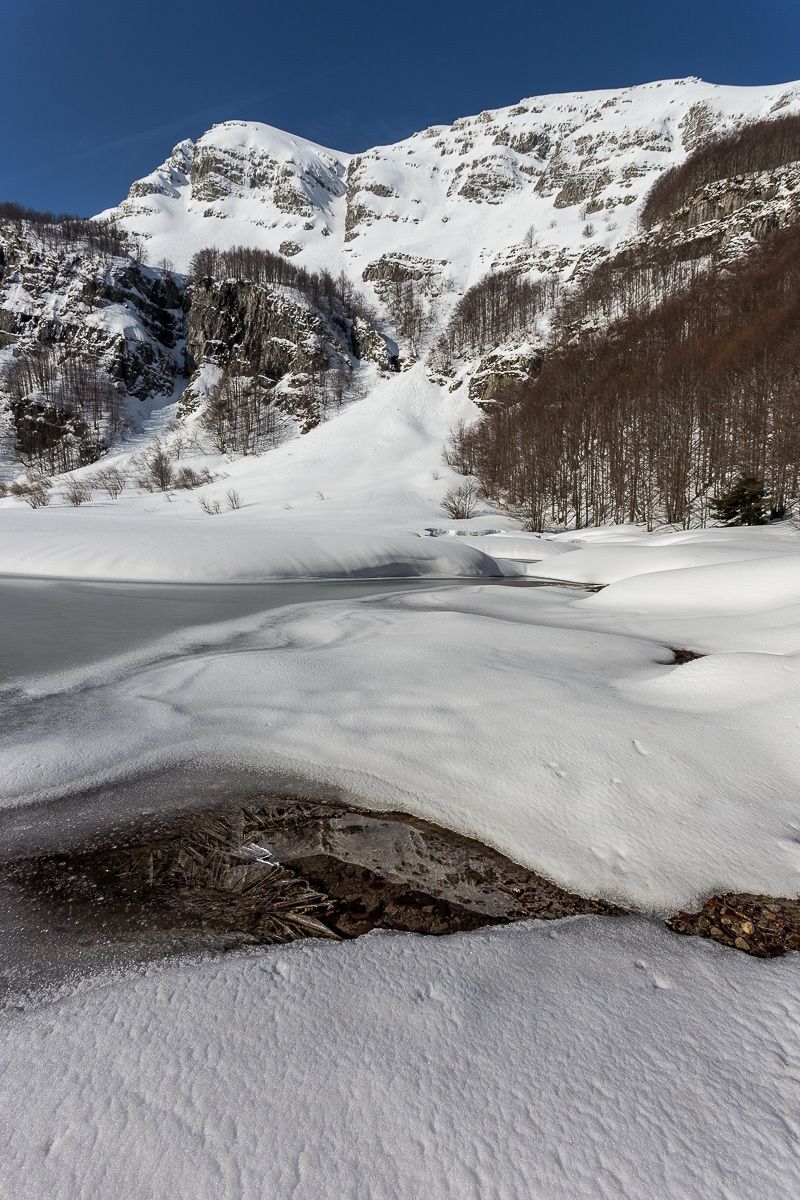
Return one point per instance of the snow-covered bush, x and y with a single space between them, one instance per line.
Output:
35 490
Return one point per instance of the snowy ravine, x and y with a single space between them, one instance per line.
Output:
591 1059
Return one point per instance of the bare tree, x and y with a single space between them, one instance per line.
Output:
111 479
156 469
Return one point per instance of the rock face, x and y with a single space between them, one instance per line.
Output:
269 330
129 316
548 189
462 193
497 370
305 351
270 185
749 205
229 162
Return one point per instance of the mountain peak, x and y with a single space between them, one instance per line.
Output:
471 193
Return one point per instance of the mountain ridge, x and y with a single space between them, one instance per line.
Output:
465 193
448 256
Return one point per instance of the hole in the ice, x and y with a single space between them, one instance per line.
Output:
289 868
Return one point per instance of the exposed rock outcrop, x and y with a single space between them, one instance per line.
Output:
128 317
270 330
496 371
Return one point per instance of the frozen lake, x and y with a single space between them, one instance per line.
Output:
51 625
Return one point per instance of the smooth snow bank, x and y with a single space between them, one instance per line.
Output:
350 498
595 1059
743 586
221 549
623 555
585 754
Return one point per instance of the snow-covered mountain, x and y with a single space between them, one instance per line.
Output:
543 192
515 185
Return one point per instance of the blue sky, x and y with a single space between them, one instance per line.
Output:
95 93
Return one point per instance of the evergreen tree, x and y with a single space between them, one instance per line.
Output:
743 504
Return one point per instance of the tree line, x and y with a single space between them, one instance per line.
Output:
756 146
65 230
645 419
337 297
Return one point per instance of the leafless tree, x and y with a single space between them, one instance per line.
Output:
648 416
757 146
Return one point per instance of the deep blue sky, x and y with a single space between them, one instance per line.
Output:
95 93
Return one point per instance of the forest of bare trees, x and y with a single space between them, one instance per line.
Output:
240 414
758 146
646 418
500 305
338 298
636 279
64 230
408 311
64 410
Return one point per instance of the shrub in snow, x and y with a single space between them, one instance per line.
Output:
156 470
234 499
111 479
461 502
77 493
35 491
210 506
187 478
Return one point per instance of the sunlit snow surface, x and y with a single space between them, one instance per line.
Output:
596 1058
550 722
592 1058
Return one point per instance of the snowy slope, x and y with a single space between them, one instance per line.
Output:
464 195
350 496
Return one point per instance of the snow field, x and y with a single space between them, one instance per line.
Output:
549 723
590 1059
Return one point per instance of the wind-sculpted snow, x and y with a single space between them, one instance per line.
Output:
551 724
596 1059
